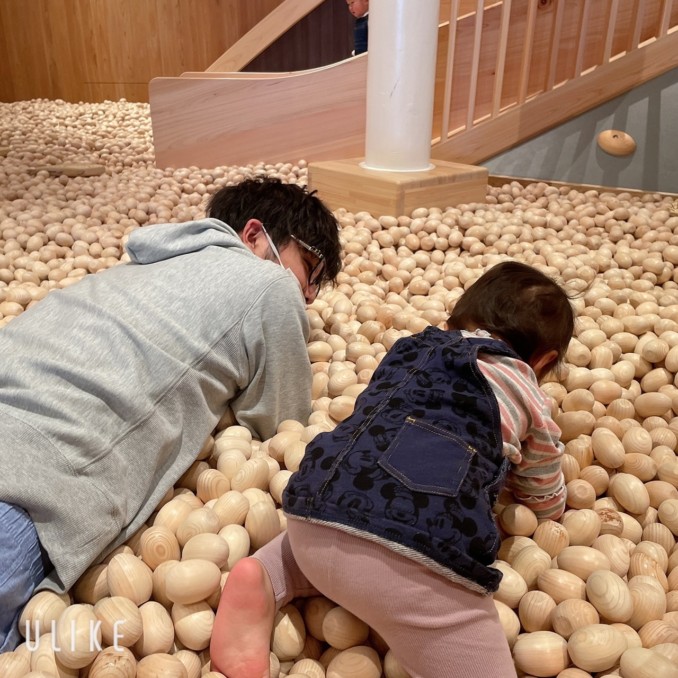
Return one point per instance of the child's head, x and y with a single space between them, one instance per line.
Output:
522 306
358 7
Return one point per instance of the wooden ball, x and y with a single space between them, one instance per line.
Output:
616 142
191 660
289 633
191 581
518 520
572 614
114 662
610 595
668 650
551 537
253 473
530 562
78 636
511 546
41 611
657 631
199 521
157 633
172 514
158 544
44 658
616 551
262 523
630 492
668 514
230 461
206 546
161 664
580 494
14 665
640 662
231 508
342 630
542 653
649 601
310 668
315 610
129 577
356 662
582 561
120 621
561 585
512 586
239 543
92 585
535 610
583 525
392 667
607 448
212 484
596 647
193 623
509 621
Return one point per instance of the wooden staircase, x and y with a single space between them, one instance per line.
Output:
506 71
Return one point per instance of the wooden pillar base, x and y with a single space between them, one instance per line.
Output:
344 183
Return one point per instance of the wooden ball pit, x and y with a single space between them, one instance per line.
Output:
574 580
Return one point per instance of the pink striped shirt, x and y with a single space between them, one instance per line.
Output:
531 437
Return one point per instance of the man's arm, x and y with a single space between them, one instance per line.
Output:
274 335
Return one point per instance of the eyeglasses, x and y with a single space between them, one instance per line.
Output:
316 273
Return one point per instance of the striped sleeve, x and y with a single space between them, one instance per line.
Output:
531 437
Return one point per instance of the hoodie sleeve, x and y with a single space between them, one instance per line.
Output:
274 334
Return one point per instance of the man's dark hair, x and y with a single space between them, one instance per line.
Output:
520 305
285 210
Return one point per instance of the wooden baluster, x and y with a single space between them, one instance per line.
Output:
611 27
555 44
637 24
501 57
666 18
527 51
581 43
475 64
449 69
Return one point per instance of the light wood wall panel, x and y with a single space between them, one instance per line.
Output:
92 50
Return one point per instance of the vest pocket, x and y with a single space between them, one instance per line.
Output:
426 458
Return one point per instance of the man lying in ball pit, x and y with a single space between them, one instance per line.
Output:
110 387
390 514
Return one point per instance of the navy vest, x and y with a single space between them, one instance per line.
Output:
419 463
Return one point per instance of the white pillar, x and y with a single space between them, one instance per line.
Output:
401 61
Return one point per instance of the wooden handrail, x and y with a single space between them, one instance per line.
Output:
265 33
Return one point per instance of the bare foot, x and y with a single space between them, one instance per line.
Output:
241 638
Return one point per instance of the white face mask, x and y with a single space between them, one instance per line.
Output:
276 254
274 249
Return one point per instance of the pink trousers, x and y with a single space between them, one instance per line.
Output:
434 627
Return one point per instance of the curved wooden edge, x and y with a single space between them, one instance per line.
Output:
314 115
265 74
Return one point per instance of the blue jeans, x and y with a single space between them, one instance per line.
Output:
22 568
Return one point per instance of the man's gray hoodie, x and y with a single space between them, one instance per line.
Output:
110 387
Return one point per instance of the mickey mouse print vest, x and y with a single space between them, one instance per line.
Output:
419 463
